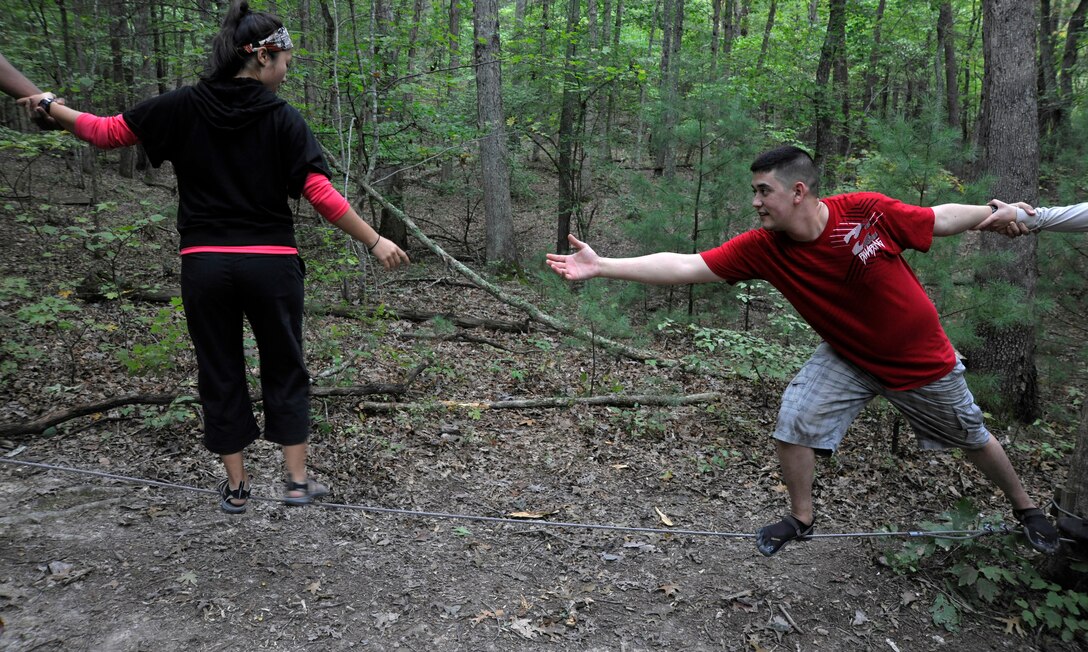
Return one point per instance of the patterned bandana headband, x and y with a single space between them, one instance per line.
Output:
274 42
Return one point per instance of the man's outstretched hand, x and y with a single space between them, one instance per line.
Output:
582 264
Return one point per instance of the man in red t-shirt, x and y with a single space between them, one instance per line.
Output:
838 261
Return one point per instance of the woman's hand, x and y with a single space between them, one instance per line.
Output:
389 254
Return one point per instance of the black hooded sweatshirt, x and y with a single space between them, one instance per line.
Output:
239 152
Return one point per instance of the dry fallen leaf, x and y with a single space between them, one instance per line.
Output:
314 587
523 627
482 616
669 589
664 519
188 577
1012 625
385 619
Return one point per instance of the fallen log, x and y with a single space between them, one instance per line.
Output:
42 424
608 400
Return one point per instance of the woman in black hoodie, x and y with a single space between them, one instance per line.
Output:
239 152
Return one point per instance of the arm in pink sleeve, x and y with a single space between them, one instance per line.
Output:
325 199
105 133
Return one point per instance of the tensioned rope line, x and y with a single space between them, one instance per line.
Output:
944 534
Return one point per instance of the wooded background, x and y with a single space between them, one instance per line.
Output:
647 113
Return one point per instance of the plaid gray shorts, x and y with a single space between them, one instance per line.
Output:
828 393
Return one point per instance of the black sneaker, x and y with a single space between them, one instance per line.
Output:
1038 531
771 538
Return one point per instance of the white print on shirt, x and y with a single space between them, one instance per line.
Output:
864 236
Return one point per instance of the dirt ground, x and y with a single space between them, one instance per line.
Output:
92 563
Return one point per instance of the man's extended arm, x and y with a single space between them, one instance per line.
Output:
15 83
950 219
663 268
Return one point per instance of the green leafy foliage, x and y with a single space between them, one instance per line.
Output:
991 571
169 338
749 354
638 421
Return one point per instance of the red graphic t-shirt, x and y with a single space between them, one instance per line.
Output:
853 287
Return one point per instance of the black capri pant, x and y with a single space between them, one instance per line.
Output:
218 290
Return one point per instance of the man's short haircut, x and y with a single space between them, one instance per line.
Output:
789 164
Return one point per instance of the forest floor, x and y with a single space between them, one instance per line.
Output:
98 563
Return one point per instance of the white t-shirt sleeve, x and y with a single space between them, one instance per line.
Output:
1056 218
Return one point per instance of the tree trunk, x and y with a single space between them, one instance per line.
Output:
602 125
494 158
118 30
715 35
832 67
519 17
1010 152
1073 30
144 86
418 11
588 110
606 121
876 55
767 34
946 41
390 226
1076 487
736 25
672 22
640 127
309 95
454 52
565 161
332 37
1049 102
971 120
